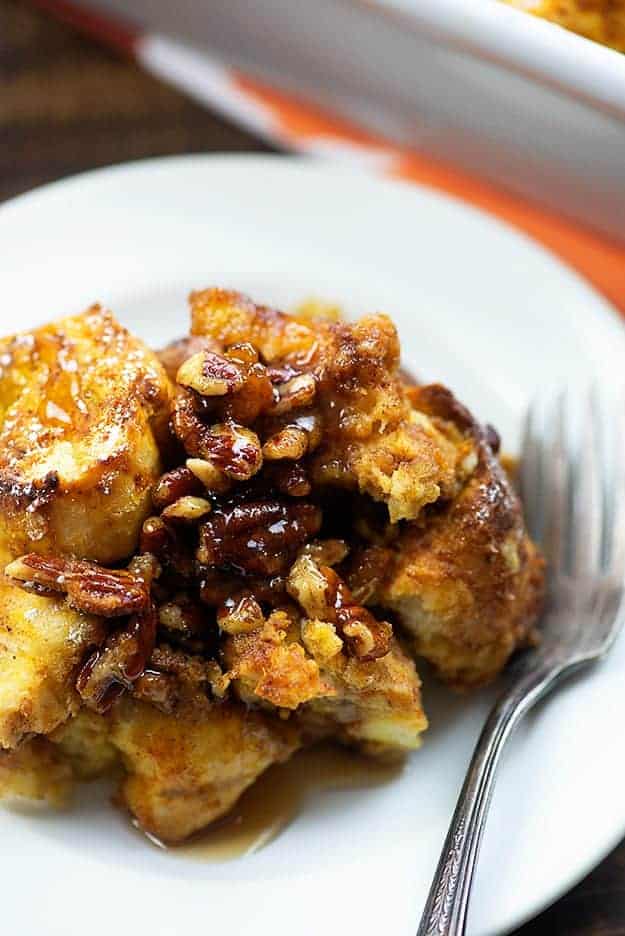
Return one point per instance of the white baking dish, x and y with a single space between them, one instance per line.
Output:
474 82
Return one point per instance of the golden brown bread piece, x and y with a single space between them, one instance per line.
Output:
600 20
467 584
83 406
186 770
37 770
42 642
307 663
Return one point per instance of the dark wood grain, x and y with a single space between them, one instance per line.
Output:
67 105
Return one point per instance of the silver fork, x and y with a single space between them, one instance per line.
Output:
573 491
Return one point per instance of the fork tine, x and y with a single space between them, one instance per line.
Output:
530 472
615 452
610 608
588 492
556 489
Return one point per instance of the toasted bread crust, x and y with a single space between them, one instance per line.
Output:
83 405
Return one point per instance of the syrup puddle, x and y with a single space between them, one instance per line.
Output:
279 795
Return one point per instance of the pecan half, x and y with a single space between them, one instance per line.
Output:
258 537
89 587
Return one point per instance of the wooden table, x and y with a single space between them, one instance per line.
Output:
67 105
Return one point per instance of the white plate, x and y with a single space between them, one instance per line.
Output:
479 307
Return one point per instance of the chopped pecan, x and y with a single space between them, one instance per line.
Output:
183 616
367 637
365 572
288 478
217 586
234 450
298 391
327 552
89 587
156 537
325 597
311 424
181 482
256 396
291 442
240 615
159 689
188 623
307 584
188 423
145 566
211 477
113 668
260 537
211 374
187 508
244 352
303 430
234 385
173 551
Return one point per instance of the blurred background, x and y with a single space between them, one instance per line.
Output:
68 105
508 111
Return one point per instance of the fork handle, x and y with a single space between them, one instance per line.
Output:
446 907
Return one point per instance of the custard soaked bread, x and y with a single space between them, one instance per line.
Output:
318 526
83 410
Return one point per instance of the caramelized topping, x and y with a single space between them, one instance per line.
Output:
89 587
113 668
181 482
325 597
260 537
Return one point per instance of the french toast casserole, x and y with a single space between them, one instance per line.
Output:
220 553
